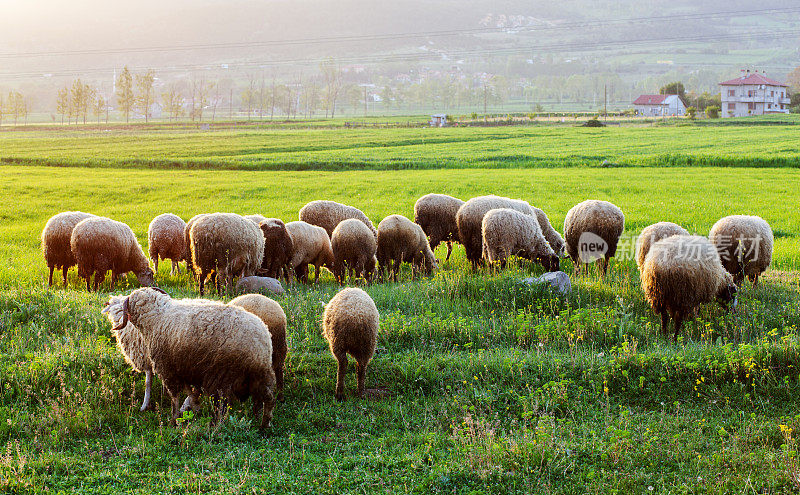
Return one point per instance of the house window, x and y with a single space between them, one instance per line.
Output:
731 106
769 105
751 106
751 93
772 93
731 92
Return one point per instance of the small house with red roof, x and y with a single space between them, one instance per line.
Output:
659 105
753 94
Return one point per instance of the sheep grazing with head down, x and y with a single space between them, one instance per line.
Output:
436 214
350 325
278 248
651 235
165 240
592 230
508 232
470 219
401 240
744 244
226 244
101 244
220 350
354 248
56 242
274 318
329 214
679 274
553 237
312 246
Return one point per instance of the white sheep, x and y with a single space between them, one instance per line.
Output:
509 232
56 242
401 240
165 240
311 245
744 244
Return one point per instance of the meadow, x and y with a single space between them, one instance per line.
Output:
480 384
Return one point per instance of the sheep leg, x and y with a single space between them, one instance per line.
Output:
222 410
88 283
148 382
279 382
50 280
98 279
361 370
342 359
664 323
754 279
202 281
678 322
155 262
175 268
64 274
449 250
604 266
396 270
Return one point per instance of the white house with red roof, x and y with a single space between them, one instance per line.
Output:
659 105
753 94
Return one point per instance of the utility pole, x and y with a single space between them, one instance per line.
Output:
365 100
605 101
230 105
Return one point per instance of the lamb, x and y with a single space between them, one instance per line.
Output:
56 242
101 244
508 232
401 240
131 344
682 272
205 347
255 218
350 325
274 318
744 244
652 234
278 248
165 240
470 217
436 214
553 237
227 244
311 246
592 230
329 214
354 249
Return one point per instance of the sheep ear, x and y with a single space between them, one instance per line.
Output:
105 309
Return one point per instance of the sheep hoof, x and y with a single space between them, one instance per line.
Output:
339 397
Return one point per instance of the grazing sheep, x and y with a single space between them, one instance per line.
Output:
436 214
401 240
329 214
592 230
311 246
679 274
220 350
131 344
256 218
651 235
350 325
101 244
252 285
56 242
508 232
187 255
470 217
553 237
354 249
227 244
274 318
165 240
278 248
744 244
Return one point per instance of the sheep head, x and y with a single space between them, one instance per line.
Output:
146 277
728 295
132 305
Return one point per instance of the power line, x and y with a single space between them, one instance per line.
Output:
393 36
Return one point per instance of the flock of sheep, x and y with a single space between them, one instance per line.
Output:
237 350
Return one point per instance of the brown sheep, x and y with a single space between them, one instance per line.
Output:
470 217
354 249
56 242
401 240
187 255
436 214
101 244
329 214
679 274
278 248
651 235
165 240
350 325
744 244
311 246
592 230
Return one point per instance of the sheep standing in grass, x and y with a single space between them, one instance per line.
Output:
56 242
226 244
220 350
508 232
165 240
101 244
401 240
329 214
744 244
274 318
553 237
311 246
350 325
436 214
679 274
470 218
354 249
592 230
278 248
187 255
651 235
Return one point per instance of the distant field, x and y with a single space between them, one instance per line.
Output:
726 144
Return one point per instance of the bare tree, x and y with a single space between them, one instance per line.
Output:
172 101
125 96
333 85
62 103
144 87
98 106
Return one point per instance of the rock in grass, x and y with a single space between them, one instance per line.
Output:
260 285
558 281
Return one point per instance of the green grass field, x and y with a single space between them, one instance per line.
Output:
482 385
